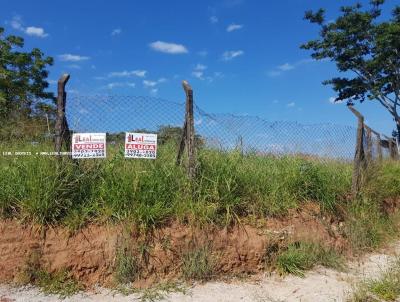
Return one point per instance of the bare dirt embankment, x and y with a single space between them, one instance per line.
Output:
89 254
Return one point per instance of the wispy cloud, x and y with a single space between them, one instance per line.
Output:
152 84
72 58
213 19
286 67
120 85
291 104
170 48
125 73
280 69
116 32
233 27
198 71
17 24
231 54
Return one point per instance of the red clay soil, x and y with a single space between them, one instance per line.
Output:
89 254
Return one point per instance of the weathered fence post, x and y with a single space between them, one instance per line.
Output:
379 146
359 157
61 126
392 149
188 136
369 144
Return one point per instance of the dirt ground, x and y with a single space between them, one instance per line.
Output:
318 285
89 255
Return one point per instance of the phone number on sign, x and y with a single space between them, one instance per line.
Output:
89 153
140 153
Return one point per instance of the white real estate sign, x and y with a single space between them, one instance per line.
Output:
89 145
141 145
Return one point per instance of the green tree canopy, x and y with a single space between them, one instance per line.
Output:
365 48
22 79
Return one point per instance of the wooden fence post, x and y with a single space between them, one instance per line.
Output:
190 143
392 148
359 157
61 126
379 146
368 138
188 136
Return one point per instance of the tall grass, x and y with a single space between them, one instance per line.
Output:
228 186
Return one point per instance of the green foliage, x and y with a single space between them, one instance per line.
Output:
360 42
302 256
59 283
22 81
367 227
127 268
386 288
198 264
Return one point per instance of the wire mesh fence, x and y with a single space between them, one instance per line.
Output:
116 115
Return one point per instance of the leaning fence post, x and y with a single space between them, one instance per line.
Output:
61 126
369 144
190 130
359 157
379 146
392 149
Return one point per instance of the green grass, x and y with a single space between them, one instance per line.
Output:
60 283
302 256
127 268
386 288
151 193
198 264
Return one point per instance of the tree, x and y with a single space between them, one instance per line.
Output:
22 80
365 47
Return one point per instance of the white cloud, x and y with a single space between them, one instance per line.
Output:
72 58
200 67
231 54
149 83
17 24
213 19
332 100
278 70
233 27
120 84
125 73
286 67
36 31
152 85
154 91
291 104
170 48
198 74
116 32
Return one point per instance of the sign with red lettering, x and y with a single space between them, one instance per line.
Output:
89 145
141 145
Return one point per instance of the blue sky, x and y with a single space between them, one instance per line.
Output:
240 56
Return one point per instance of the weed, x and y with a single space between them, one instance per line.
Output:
198 264
59 283
302 256
127 268
366 226
386 288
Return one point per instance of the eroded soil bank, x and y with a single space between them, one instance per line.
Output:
89 254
